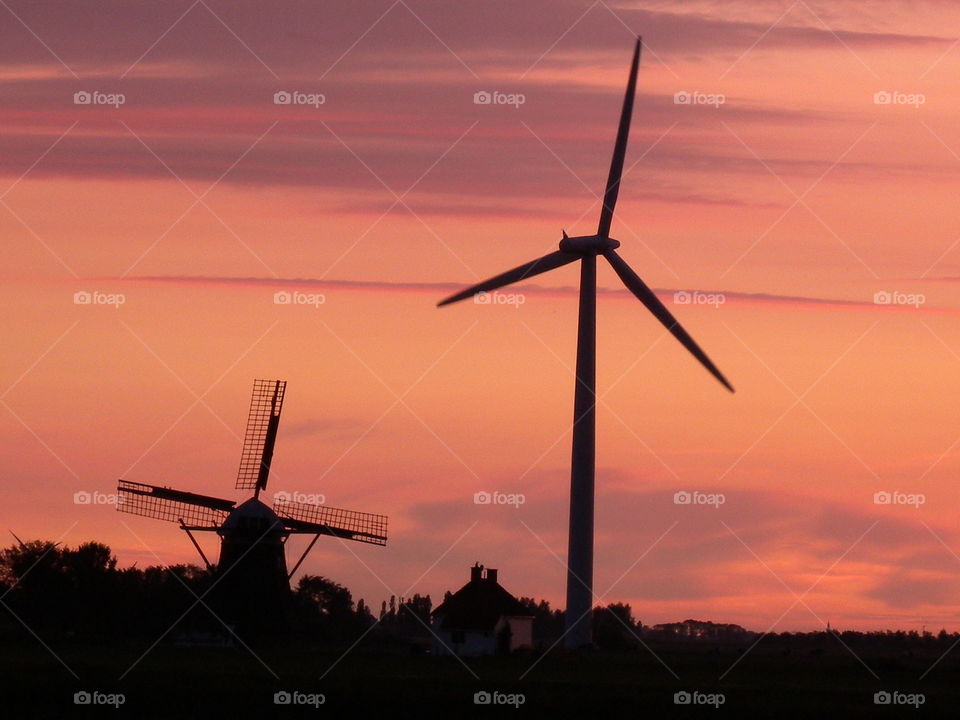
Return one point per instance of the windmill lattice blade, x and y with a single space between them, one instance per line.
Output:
653 304
541 265
266 402
172 505
619 149
347 524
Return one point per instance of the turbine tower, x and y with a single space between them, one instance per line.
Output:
586 248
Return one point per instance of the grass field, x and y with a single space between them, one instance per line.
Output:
170 682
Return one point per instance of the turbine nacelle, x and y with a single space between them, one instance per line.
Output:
587 244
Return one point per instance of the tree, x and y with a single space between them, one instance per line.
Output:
364 616
547 623
326 596
614 626
326 608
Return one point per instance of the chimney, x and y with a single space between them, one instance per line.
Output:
476 572
492 575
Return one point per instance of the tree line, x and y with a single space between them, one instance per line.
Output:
80 591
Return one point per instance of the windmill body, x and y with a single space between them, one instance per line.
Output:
252 542
254 534
252 584
585 249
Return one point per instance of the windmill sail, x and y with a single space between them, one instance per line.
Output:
324 520
261 434
190 509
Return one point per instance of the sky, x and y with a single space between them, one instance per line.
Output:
792 175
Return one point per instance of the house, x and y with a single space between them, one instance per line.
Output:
481 618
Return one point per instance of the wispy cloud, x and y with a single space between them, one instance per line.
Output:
438 289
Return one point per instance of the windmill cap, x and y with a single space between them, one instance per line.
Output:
251 513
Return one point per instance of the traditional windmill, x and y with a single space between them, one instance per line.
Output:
252 579
585 249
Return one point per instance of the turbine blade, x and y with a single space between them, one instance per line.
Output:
619 149
653 304
540 265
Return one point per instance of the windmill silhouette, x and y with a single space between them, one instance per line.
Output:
252 579
586 248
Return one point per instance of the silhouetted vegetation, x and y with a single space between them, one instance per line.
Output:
73 621
81 592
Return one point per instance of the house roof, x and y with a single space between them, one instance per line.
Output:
478 605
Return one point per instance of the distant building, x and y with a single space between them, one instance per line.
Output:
481 618
701 630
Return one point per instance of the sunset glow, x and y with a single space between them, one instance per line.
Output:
790 192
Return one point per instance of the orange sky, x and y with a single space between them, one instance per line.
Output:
799 198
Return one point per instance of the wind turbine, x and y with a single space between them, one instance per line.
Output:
586 248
